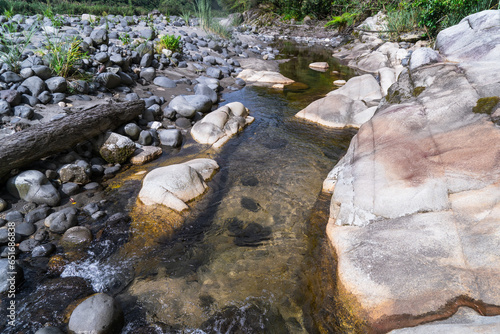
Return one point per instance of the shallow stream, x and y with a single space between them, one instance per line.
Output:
245 259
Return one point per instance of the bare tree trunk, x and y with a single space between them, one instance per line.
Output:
42 140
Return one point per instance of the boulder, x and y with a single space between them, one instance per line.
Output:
170 137
56 84
202 89
423 56
319 66
263 78
98 314
174 185
6 273
116 148
414 212
361 88
35 85
74 173
33 186
475 38
109 80
76 237
336 111
99 36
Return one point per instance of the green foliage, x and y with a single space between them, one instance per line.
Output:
176 7
64 54
401 20
8 13
125 38
186 16
13 45
342 21
439 14
169 42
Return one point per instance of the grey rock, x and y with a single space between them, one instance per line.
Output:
201 103
146 60
423 56
99 36
31 61
37 214
42 71
148 74
210 60
14 216
33 186
99 314
170 137
10 77
126 79
26 73
25 229
35 85
148 34
132 130
202 89
132 97
5 108
58 97
91 208
45 97
101 57
28 245
13 97
56 84
60 221
182 106
164 82
183 123
145 138
109 80
116 59
28 99
70 188
43 250
214 72
144 48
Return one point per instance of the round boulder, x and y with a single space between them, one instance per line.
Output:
76 236
60 221
33 186
98 314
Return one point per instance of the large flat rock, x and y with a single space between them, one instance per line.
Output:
415 211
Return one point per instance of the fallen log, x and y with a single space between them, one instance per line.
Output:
42 140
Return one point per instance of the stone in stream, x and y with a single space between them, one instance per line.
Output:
248 234
3 204
60 221
43 250
6 273
174 185
116 148
25 229
37 214
99 314
424 56
264 78
145 154
319 66
170 137
76 237
33 186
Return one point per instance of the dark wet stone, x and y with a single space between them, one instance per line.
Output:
248 235
43 250
255 319
251 181
28 245
250 204
14 216
25 229
274 143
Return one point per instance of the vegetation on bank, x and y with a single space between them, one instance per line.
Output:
403 15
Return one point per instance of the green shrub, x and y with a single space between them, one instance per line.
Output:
64 55
169 42
401 20
343 21
13 45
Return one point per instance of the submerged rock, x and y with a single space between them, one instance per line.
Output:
174 185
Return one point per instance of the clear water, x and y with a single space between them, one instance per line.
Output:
245 259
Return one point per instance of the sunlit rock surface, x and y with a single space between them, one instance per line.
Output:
416 199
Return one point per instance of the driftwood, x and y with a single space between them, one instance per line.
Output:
42 140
